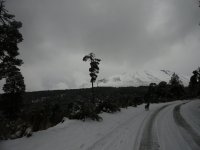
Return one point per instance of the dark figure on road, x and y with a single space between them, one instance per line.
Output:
147 106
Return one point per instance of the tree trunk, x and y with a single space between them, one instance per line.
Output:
92 93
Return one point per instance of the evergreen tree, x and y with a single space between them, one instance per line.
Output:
193 84
175 80
9 63
151 93
94 69
9 38
14 82
88 109
176 87
198 79
162 91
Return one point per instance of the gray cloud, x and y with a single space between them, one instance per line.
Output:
127 35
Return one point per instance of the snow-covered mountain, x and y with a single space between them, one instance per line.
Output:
140 78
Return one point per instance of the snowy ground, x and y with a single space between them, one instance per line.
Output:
166 126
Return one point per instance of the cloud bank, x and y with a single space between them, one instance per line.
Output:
127 35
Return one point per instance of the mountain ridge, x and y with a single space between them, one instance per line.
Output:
139 78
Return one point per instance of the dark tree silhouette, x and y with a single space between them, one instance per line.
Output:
13 88
162 91
9 63
94 69
175 80
198 78
194 84
151 93
9 38
14 82
176 87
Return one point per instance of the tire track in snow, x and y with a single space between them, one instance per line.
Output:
149 140
115 132
181 122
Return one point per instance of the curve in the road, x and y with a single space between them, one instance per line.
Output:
112 134
180 121
149 139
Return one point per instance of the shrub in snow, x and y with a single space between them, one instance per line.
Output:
56 114
12 129
28 132
13 136
107 105
82 110
64 119
18 133
40 119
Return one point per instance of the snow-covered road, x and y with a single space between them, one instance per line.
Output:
149 140
166 126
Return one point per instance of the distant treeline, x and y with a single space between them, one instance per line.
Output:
43 109
121 95
71 95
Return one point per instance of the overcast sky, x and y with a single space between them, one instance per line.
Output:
128 35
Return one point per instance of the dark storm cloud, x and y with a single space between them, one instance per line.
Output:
127 35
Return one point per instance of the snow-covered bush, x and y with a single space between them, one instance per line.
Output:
82 110
107 105
13 129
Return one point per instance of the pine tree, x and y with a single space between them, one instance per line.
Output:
94 69
175 80
193 84
14 82
9 63
151 93
9 38
14 89
162 90
198 79
176 87
88 109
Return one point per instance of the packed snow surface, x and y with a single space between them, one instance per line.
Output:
166 126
